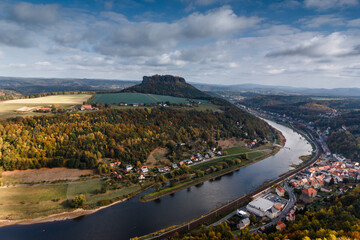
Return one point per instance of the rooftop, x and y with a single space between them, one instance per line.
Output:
261 204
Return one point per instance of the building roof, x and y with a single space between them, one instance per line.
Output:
281 225
280 189
261 204
309 191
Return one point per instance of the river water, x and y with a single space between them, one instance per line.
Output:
134 218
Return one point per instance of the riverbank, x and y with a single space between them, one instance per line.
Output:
68 213
234 204
195 181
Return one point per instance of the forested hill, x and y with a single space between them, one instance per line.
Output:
82 140
168 85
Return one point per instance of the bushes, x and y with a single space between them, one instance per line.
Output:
78 201
104 202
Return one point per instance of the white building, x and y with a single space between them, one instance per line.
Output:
260 206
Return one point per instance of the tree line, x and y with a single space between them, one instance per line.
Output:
78 140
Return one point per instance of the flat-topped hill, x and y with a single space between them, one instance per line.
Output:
163 79
167 85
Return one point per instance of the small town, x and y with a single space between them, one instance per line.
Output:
331 174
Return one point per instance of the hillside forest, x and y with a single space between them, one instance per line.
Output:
81 140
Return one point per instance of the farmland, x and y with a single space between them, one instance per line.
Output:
8 108
131 98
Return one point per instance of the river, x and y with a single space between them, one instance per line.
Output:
134 218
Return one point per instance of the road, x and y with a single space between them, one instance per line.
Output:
229 155
243 199
289 205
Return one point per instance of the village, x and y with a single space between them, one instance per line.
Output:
276 206
330 174
144 172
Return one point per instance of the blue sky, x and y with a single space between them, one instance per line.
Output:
303 43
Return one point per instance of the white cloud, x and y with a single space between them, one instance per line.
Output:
333 45
330 4
14 35
28 13
323 20
128 38
43 63
354 23
276 71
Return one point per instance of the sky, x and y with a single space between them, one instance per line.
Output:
300 43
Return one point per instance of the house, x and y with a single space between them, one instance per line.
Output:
128 167
290 216
243 223
280 191
86 107
308 195
144 169
174 166
142 176
45 110
280 225
115 164
273 212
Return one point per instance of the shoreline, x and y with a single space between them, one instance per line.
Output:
274 151
67 215
219 174
79 212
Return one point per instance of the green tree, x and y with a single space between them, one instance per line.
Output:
78 201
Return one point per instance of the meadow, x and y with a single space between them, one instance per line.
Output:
29 202
131 98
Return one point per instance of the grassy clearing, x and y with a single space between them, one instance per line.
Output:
87 188
235 150
28 202
230 143
31 194
44 175
8 108
158 158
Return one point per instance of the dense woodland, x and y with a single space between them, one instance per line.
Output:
339 219
80 140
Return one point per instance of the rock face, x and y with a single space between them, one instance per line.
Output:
163 79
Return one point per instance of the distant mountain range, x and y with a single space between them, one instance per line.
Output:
281 90
28 86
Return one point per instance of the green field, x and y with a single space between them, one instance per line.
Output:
9 108
131 98
27 202
235 150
